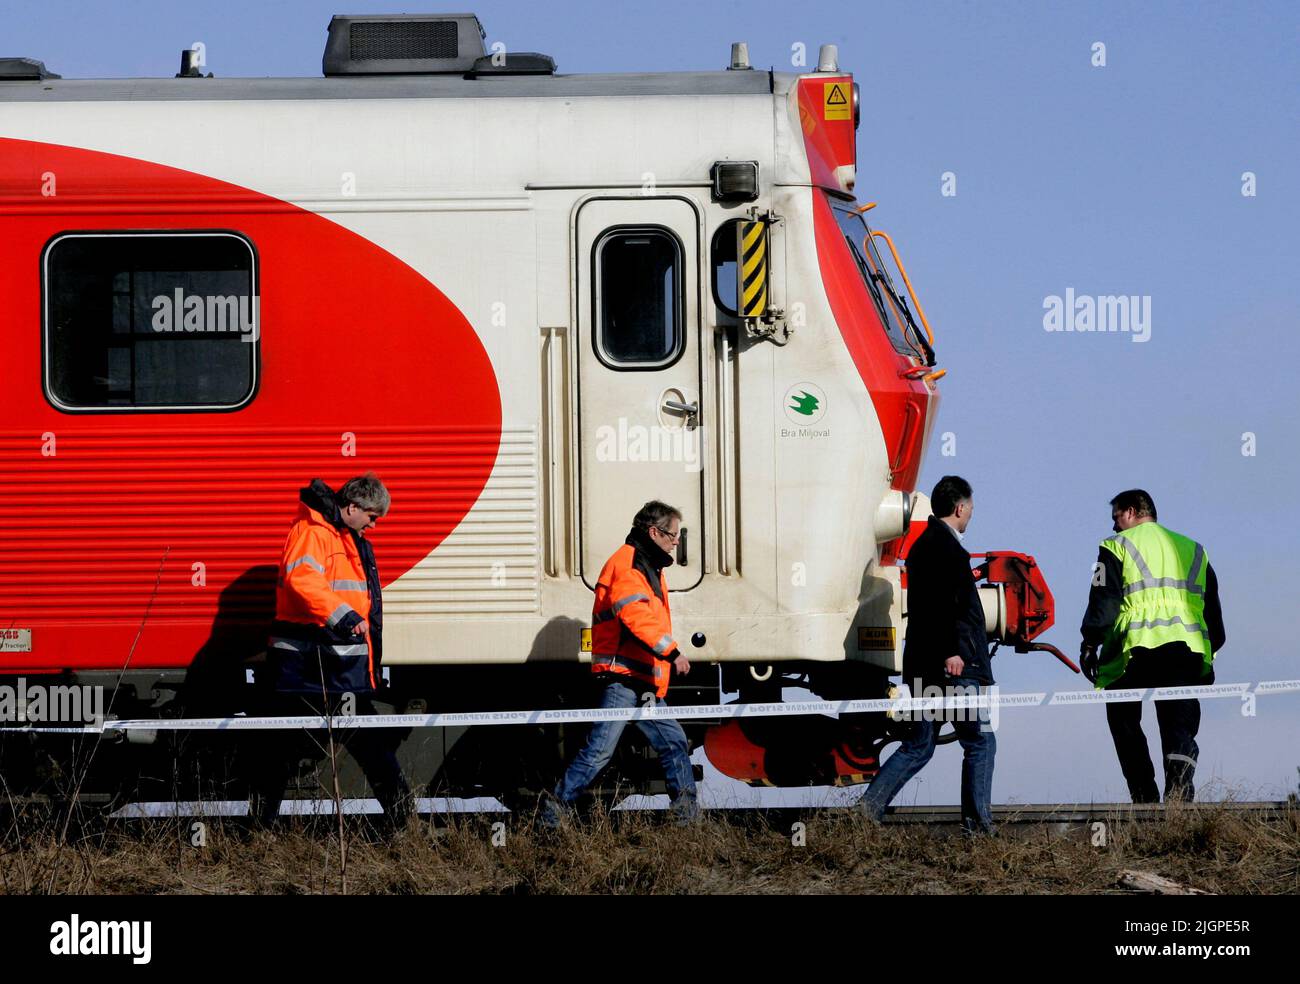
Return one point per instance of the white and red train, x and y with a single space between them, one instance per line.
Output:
515 295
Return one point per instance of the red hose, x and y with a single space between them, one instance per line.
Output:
1047 647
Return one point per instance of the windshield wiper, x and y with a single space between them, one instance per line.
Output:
917 334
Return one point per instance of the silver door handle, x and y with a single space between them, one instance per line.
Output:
690 409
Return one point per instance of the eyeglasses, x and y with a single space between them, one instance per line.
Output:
674 537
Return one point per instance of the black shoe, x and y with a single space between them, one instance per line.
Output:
398 805
552 814
263 810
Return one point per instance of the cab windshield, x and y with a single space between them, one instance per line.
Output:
895 315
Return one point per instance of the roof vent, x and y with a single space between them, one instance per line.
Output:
403 44
512 63
24 69
191 66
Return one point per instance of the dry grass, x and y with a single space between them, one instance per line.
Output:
1205 847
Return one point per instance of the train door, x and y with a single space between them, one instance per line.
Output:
640 413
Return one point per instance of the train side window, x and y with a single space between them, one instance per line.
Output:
150 321
638 298
723 253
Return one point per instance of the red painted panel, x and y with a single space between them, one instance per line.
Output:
354 341
830 143
903 405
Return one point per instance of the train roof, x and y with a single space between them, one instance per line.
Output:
715 83
402 56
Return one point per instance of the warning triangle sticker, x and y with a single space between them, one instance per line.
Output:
835 101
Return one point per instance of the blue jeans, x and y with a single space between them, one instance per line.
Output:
665 736
979 746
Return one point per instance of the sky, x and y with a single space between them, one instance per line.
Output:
1119 179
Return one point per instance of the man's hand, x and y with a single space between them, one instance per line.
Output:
953 666
681 664
1089 661
361 628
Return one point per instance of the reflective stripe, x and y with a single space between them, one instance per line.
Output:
294 645
350 649
305 559
1198 558
348 586
1151 581
336 616
1148 580
664 644
1181 758
614 609
643 667
618 605
1157 582
1158 623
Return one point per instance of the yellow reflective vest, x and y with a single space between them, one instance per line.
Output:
1163 596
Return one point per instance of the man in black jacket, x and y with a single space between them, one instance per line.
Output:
946 648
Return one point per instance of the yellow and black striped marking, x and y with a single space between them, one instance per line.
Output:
753 266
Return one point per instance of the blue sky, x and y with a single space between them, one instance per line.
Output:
1122 179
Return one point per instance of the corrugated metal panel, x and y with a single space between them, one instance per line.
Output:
489 565
88 528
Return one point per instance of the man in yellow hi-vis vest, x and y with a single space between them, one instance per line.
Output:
1154 612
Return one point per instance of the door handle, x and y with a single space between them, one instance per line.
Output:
691 410
681 547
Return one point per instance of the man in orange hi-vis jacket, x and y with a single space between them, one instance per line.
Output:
327 640
633 653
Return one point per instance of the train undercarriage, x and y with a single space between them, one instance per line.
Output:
510 763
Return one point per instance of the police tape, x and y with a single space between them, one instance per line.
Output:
989 698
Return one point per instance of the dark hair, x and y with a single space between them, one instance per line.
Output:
1137 500
950 490
655 513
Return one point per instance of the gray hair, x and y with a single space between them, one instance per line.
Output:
655 512
367 492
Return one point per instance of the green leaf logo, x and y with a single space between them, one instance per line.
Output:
805 403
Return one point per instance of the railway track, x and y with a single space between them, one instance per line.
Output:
1063 816
1075 814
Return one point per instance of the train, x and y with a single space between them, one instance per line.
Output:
529 301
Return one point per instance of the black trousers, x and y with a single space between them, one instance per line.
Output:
1173 665
280 751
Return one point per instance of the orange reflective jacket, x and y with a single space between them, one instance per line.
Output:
631 626
321 595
